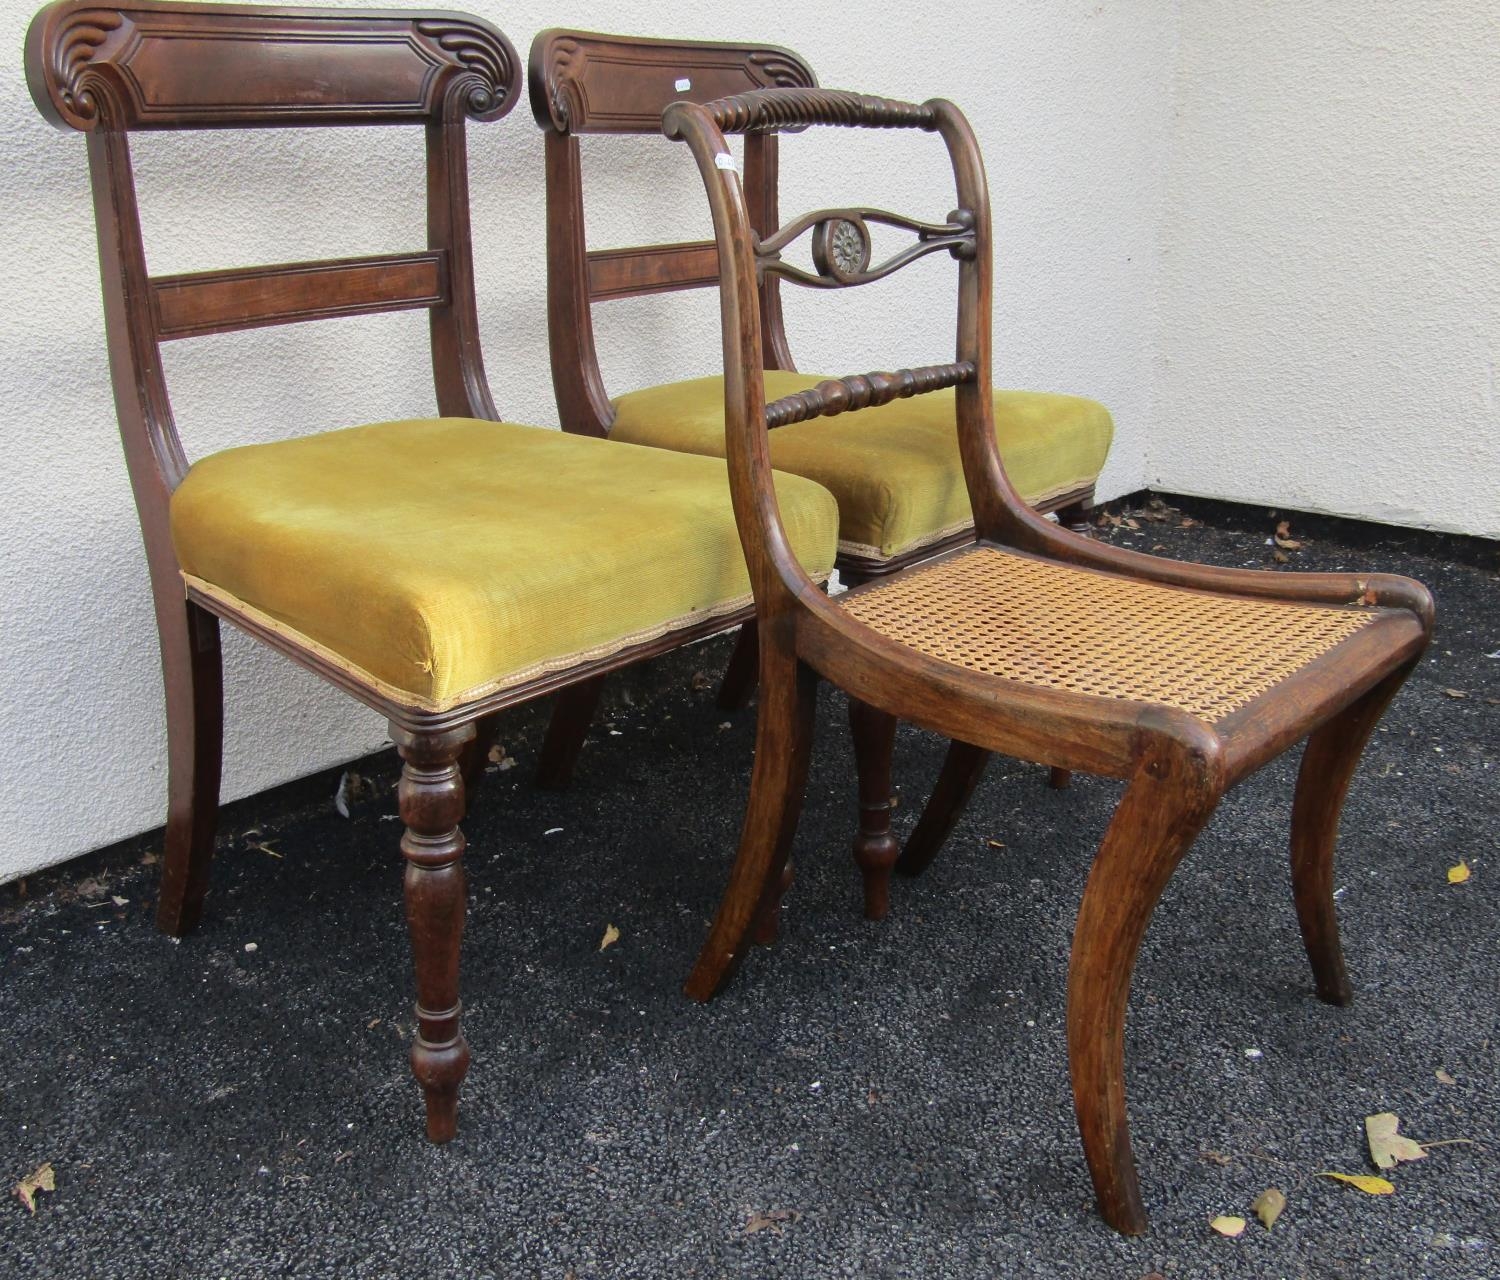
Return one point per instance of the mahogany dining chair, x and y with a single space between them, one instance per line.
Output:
1032 641
897 476
436 570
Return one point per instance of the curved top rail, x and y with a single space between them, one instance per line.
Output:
770 110
165 65
588 82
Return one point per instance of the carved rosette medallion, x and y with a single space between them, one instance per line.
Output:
841 248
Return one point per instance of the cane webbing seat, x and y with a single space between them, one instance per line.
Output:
894 468
1053 626
444 559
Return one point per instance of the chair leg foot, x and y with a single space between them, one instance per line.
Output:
740 675
963 767
1328 764
193 675
1059 779
875 849
783 743
431 796
572 714
1169 799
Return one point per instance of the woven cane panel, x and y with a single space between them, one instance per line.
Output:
1055 627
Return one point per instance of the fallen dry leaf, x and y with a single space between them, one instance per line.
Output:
41 1179
1454 693
772 1218
1367 1183
1387 1147
1267 1206
1216 1157
352 789
1284 529
1443 1077
1458 874
611 936
1227 1224
1280 557
1187 522
496 754
995 844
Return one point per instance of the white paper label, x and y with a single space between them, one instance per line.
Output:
684 85
726 162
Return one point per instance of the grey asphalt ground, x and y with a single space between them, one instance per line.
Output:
870 1100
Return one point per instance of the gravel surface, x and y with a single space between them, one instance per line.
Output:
870 1100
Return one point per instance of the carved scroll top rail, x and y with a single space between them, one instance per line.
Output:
164 65
864 390
841 247
586 82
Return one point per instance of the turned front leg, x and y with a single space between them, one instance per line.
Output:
431 795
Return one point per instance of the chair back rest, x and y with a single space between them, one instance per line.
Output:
581 82
841 253
154 65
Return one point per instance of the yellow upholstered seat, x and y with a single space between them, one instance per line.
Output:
894 469
442 559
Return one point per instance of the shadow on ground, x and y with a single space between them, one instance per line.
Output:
871 1100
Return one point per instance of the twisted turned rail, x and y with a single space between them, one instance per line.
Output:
864 390
767 110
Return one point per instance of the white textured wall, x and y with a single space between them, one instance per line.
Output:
1071 101
1330 303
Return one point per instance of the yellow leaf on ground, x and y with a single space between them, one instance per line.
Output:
1370 1185
1458 874
1267 1206
1443 1077
42 1179
611 936
1228 1225
1387 1147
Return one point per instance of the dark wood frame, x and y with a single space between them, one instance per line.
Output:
585 82
1177 765
151 65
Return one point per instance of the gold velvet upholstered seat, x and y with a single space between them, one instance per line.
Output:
447 559
895 469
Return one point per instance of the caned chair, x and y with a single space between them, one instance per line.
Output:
896 473
436 570
1180 678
